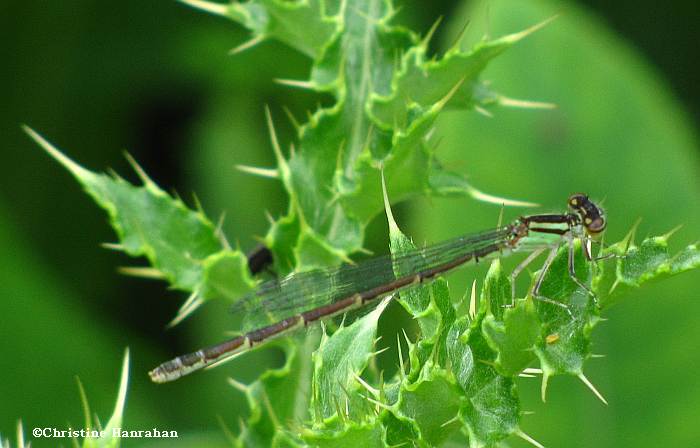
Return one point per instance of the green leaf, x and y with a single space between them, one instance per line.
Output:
636 265
279 396
400 429
624 266
511 331
280 240
513 338
430 305
225 275
431 403
567 342
303 25
496 292
339 361
420 83
368 65
181 244
353 434
687 259
491 410
447 184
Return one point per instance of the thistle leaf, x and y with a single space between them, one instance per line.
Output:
180 243
636 265
567 344
280 396
491 410
430 305
353 434
302 25
511 332
420 83
339 359
431 403
388 95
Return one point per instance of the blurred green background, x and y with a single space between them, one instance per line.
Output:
154 78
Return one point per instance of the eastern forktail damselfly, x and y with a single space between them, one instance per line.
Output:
279 306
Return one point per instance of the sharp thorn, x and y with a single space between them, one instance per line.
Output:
226 430
379 352
364 384
377 403
402 368
523 104
308 85
211 7
237 384
113 246
270 173
543 389
528 439
450 421
485 197
590 385
431 32
246 45
141 271
628 240
191 304
139 171
458 39
483 111
273 138
292 118
512 38
668 234
472 301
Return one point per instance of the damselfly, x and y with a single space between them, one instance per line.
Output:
279 306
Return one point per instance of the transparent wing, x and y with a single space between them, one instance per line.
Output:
278 299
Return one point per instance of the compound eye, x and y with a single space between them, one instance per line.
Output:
596 225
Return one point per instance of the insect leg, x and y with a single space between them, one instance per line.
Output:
540 278
518 269
572 267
